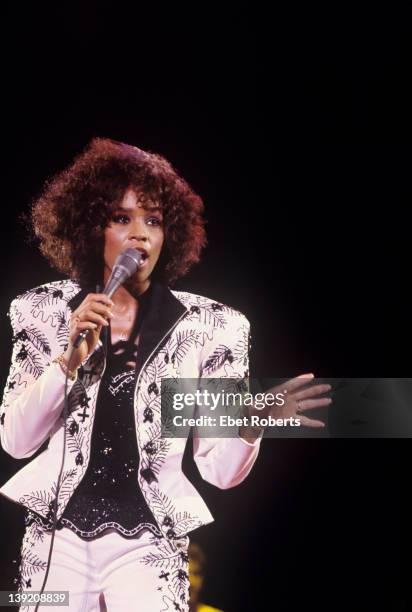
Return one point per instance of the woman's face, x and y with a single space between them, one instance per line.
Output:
134 225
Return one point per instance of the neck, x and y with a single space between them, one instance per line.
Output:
127 295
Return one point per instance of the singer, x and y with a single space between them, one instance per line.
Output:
124 507
113 530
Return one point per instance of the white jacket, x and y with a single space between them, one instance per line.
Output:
190 336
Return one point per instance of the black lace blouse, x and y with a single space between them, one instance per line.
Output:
109 495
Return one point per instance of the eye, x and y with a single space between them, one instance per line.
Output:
154 221
121 218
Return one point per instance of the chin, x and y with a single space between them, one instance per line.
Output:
139 279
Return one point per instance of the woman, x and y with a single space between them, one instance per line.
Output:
124 506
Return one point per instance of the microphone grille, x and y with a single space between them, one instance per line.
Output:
129 259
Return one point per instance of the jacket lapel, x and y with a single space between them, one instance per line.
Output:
163 311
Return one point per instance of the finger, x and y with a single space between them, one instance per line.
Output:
306 422
99 297
83 325
315 390
299 381
95 307
314 403
93 317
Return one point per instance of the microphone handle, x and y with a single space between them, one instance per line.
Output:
82 336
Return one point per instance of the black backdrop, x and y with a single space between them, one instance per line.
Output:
293 126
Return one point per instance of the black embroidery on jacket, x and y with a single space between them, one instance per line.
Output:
62 329
217 359
30 360
36 338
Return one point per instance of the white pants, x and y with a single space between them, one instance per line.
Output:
141 574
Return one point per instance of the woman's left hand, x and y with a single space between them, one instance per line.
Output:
298 397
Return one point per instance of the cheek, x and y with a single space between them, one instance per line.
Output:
160 241
109 245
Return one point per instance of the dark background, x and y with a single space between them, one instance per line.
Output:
295 128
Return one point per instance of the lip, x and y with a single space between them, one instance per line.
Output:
145 255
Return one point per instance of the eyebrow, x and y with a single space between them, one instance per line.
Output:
155 208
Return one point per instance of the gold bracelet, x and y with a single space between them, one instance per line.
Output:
63 366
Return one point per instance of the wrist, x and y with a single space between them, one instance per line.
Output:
251 431
250 434
63 362
71 358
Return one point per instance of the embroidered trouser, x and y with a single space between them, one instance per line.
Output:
141 574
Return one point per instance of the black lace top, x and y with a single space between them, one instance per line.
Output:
109 495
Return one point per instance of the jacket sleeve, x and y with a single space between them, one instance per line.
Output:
34 393
225 462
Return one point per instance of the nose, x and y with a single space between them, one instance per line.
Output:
138 230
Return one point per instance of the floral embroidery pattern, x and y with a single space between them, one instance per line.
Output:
175 524
172 560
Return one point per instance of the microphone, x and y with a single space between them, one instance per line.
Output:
124 267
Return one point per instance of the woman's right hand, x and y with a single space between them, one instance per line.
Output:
92 314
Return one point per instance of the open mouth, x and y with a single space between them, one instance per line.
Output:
144 255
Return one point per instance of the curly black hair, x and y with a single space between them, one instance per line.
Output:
76 205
